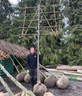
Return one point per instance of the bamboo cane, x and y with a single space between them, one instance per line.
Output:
49 71
43 74
24 22
6 86
55 18
47 20
14 64
31 22
16 82
19 63
66 72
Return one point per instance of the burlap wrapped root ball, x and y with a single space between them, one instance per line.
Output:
27 78
50 81
21 94
39 89
4 94
48 94
42 78
63 82
20 76
18 94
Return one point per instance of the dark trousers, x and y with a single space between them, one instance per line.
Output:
33 75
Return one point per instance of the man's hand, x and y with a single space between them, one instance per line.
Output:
39 53
27 71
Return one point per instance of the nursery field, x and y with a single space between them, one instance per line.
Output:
74 88
41 48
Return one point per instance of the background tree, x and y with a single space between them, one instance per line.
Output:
5 18
5 10
73 41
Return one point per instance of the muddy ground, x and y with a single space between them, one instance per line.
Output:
74 89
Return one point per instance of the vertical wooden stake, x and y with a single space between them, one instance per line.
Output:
38 77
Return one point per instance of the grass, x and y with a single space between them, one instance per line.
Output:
73 78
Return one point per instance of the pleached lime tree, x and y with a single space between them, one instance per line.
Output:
50 45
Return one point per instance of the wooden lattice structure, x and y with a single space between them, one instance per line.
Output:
53 28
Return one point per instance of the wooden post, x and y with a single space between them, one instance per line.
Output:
6 86
38 77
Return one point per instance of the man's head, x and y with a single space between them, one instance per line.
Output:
32 49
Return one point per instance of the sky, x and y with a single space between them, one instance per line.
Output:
14 1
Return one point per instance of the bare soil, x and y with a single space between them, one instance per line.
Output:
74 89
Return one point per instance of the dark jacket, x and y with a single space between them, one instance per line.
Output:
31 61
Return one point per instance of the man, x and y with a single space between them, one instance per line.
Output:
31 63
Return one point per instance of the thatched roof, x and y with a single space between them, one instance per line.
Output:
16 50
